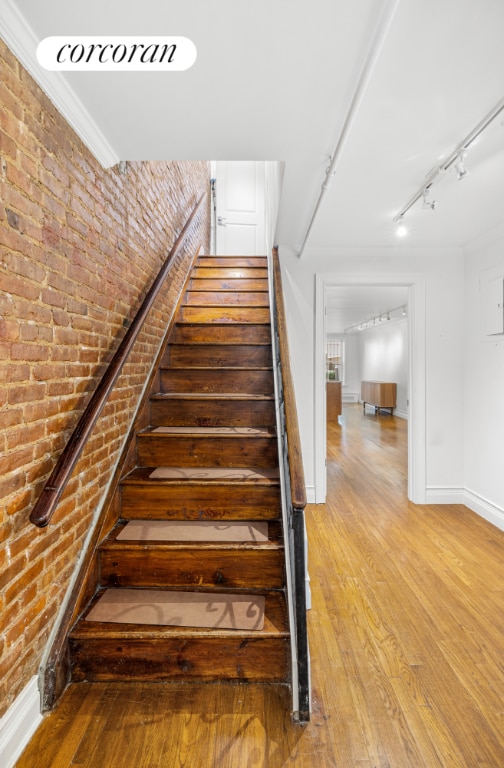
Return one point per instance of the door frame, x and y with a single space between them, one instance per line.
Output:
415 282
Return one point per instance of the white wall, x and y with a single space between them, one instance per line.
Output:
484 385
443 271
383 356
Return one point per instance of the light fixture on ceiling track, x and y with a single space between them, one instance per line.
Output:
374 319
460 167
428 204
455 159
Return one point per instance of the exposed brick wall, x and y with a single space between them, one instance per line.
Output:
79 247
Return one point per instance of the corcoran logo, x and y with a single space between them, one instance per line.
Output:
116 54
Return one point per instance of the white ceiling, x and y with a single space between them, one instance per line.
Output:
274 80
348 306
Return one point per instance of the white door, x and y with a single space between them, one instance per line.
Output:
240 208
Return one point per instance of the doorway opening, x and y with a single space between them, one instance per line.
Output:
410 288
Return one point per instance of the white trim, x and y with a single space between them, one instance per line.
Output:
310 494
440 494
476 503
19 724
484 508
22 41
417 471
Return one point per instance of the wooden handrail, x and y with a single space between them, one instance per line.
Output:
298 488
46 503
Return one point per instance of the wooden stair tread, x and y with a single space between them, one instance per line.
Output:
193 532
237 433
210 396
179 608
160 547
111 545
207 476
235 284
275 625
238 261
220 369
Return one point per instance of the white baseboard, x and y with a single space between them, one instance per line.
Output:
310 494
444 495
350 397
484 508
19 724
475 502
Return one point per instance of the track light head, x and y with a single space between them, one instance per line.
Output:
460 167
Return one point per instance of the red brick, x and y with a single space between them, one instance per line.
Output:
80 248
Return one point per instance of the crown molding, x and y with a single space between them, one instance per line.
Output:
22 41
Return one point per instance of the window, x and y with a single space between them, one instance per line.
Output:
335 360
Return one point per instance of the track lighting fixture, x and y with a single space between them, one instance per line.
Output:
460 167
376 319
428 204
455 159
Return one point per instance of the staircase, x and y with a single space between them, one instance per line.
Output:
199 526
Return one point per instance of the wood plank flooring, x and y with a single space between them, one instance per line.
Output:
406 636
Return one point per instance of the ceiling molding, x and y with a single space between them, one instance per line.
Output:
22 41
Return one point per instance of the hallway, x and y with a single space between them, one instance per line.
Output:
406 635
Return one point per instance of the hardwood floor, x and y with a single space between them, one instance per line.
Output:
406 635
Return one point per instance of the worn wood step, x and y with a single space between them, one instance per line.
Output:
250 381
223 314
192 531
212 410
211 494
228 284
250 566
221 334
226 298
218 356
224 273
207 447
105 651
233 261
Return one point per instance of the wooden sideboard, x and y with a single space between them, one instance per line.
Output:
333 393
379 394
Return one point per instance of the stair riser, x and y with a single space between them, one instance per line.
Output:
181 451
150 566
218 355
223 315
227 381
226 299
182 502
221 334
231 284
205 659
208 413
